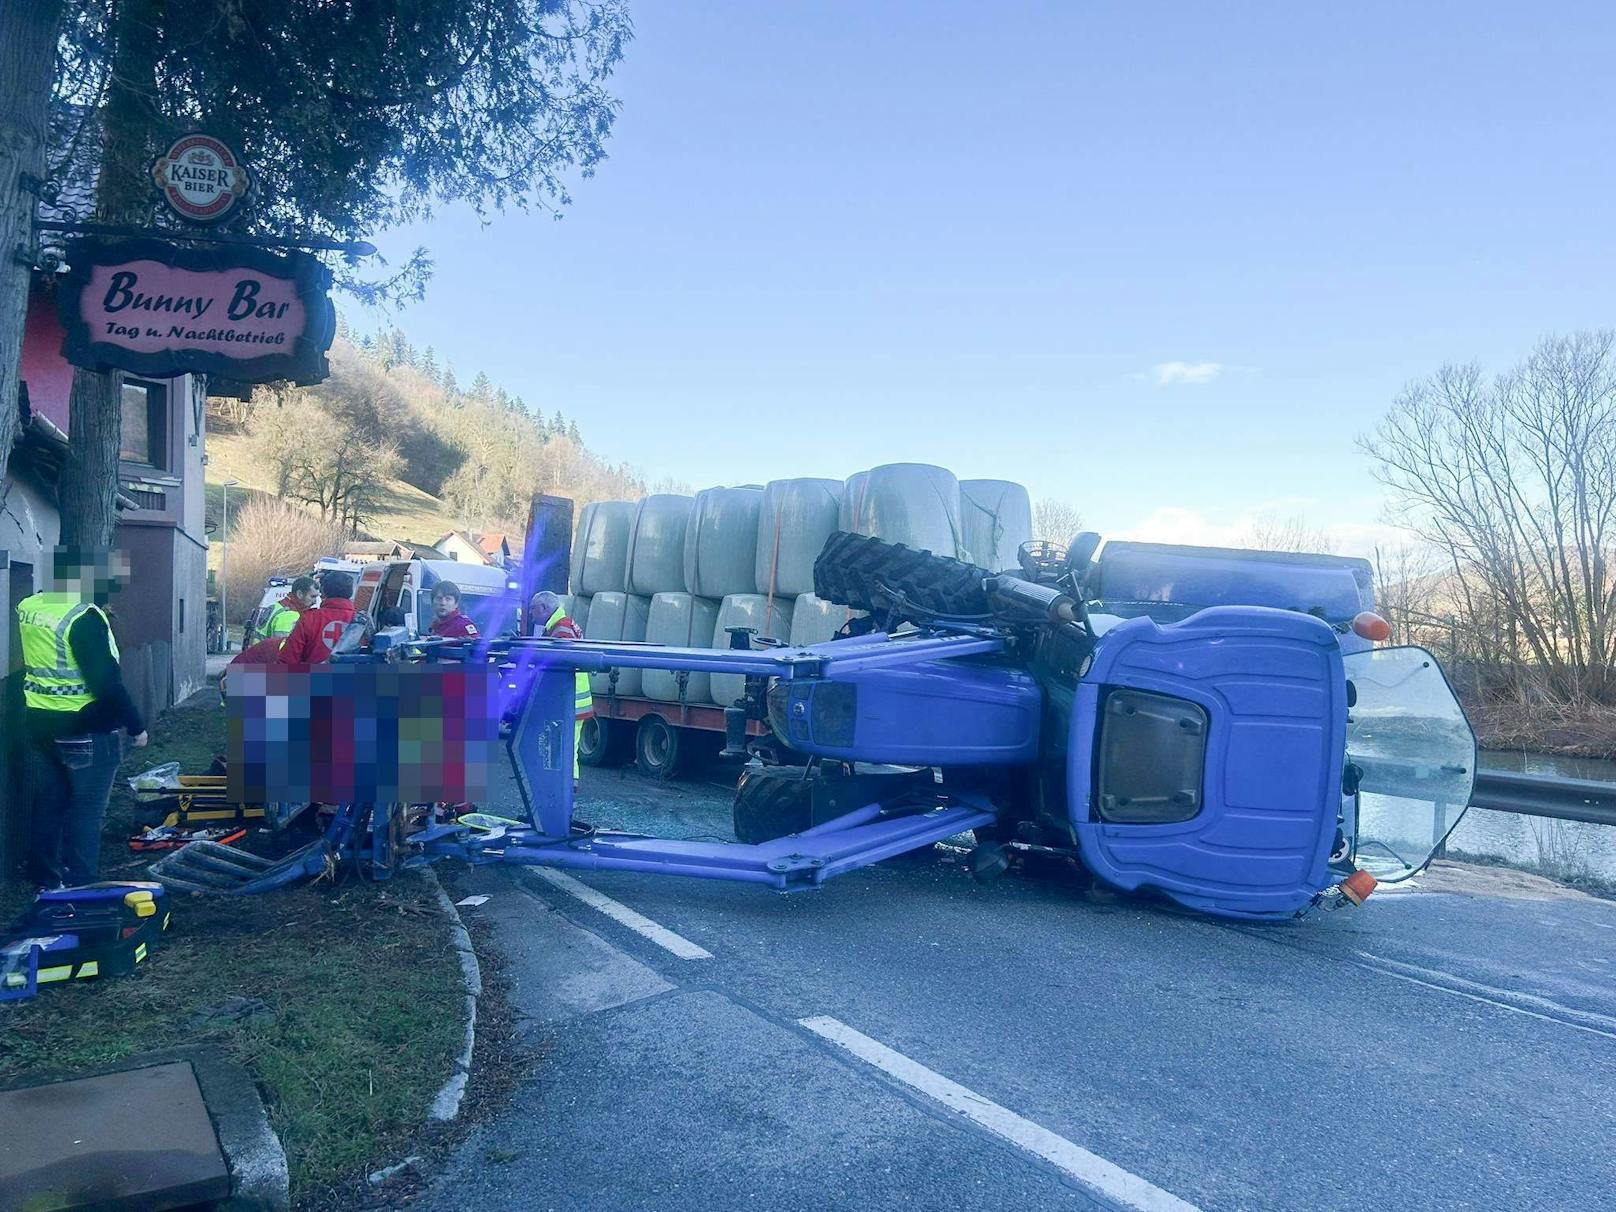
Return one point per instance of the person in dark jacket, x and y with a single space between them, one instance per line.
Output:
318 630
75 703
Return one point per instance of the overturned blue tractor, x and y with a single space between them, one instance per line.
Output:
1215 727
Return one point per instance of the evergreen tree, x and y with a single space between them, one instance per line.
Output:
503 399
482 391
572 432
355 118
403 353
428 365
451 389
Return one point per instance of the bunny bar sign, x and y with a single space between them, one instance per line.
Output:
153 308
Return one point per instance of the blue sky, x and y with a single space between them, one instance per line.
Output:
1163 261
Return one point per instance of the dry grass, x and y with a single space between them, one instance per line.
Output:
404 511
1569 731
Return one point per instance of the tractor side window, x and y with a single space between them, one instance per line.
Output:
1152 757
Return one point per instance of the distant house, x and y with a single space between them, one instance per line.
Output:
492 549
390 549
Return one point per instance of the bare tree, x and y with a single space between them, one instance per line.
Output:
1055 521
1292 532
1408 588
1514 480
271 538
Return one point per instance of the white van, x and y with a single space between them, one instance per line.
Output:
489 595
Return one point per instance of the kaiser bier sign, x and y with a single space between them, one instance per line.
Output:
201 178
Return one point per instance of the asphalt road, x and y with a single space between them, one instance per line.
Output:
1449 1047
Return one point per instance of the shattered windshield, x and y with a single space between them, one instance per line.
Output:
1415 757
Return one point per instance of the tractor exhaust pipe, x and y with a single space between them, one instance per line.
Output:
1025 596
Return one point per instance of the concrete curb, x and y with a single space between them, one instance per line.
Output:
259 1181
445 1104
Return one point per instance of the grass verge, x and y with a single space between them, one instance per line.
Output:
343 1001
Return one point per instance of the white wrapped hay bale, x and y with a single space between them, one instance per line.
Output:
997 520
746 610
911 503
797 517
656 544
852 503
814 620
600 547
680 620
617 616
721 542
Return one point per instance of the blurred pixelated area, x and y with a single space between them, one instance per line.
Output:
361 733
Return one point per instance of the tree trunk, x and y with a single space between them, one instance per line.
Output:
27 55
130 126
90 477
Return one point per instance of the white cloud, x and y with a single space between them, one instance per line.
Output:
1173 374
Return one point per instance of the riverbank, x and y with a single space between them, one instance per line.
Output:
1559 731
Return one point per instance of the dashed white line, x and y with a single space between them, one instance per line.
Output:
1104 1179
677 944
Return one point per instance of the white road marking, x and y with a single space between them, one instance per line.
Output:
619 912
1100 1177
1504 999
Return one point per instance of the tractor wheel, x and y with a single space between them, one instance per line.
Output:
657 747
854 570
772 801
602 743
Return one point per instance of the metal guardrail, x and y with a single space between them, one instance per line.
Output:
1545 795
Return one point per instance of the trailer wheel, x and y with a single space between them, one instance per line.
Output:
602 743
856 570
657 747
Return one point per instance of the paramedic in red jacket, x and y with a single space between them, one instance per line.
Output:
449 622
318 629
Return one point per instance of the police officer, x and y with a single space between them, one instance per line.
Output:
75 704
283 618
556 624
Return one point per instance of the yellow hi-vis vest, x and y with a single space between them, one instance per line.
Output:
281 621
583 699
52 680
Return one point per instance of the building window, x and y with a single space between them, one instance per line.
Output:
182 616
145 424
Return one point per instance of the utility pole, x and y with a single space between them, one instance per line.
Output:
224 566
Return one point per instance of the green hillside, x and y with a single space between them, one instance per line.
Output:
405 512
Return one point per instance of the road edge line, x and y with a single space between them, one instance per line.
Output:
1101 1178
675 944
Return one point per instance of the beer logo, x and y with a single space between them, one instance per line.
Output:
201 178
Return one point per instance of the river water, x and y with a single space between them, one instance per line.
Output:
1560 848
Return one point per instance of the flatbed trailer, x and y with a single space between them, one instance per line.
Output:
662 738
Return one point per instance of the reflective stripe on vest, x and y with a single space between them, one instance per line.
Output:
281 621
52 680
583 698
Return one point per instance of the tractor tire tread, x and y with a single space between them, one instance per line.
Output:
852 568
772 801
